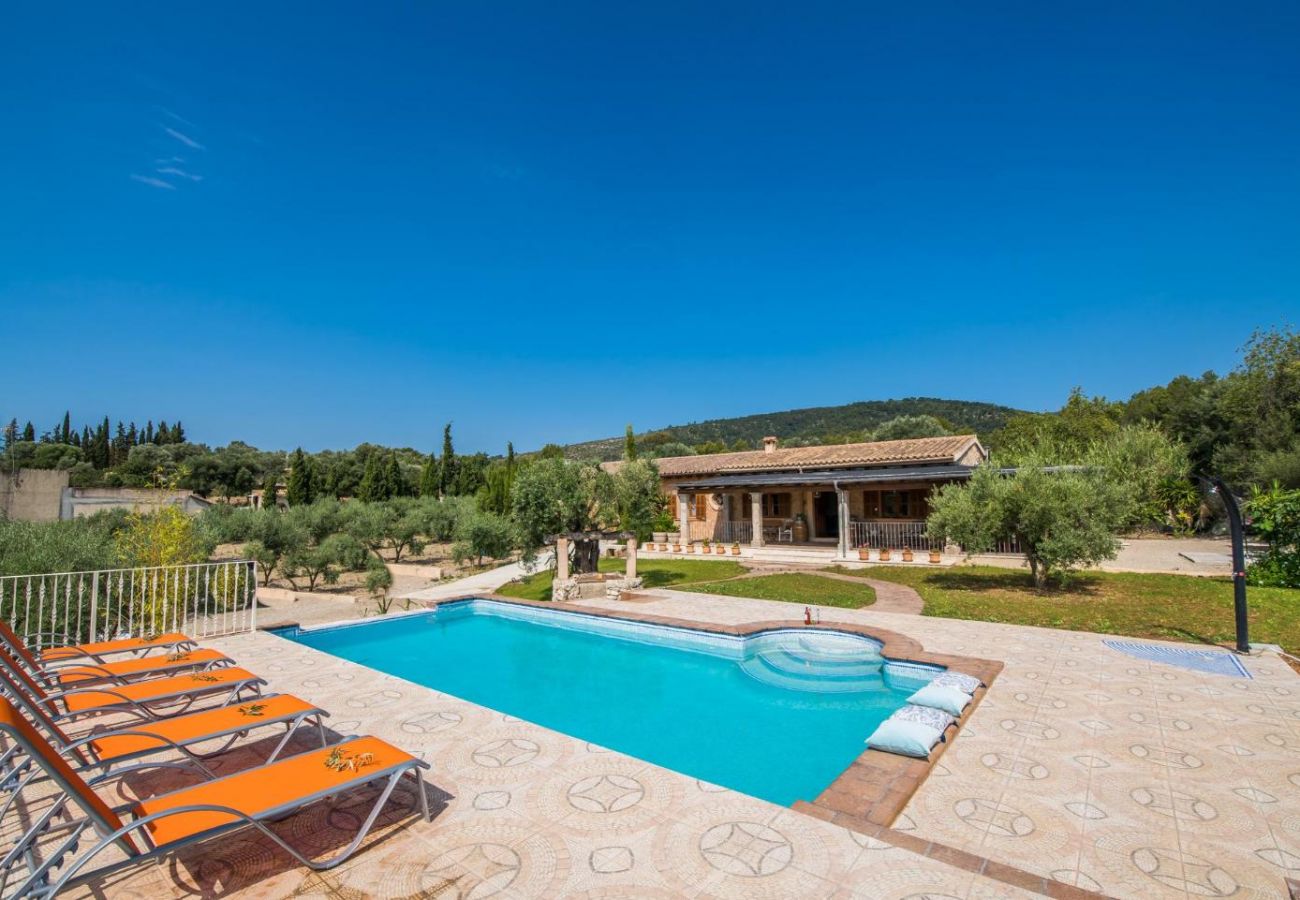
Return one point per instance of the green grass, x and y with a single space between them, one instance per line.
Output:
1170 607
654 573
793 587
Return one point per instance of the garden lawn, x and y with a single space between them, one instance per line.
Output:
793 587
653 572
1170 607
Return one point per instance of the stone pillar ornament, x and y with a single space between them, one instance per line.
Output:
631 558
562 558
756 517
684 518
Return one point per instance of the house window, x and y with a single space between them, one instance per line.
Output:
699 503
896 504
776 506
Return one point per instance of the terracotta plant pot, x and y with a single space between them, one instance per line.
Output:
864 554
677 548
884 554
690 548
720 550
735 549
934 557
907 555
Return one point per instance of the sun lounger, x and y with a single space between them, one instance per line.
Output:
121 672
105 748
98 651
44 861
151 699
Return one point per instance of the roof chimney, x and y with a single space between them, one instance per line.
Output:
769 444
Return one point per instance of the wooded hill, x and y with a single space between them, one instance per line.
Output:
814 425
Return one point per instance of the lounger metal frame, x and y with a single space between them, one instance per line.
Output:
43 881
48 700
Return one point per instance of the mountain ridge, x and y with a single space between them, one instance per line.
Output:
813 424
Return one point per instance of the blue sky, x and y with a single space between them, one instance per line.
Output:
320 224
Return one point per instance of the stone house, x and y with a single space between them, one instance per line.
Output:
841 496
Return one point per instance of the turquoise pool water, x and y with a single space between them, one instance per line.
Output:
778 716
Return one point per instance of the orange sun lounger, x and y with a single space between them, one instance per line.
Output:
119 672
45 860
99 650
151 699
104 748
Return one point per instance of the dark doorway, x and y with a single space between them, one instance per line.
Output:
826 509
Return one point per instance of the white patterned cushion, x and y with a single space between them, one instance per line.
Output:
967 684
935 718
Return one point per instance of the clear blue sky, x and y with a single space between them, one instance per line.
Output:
323 224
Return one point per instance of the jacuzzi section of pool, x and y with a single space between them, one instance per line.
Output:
778 715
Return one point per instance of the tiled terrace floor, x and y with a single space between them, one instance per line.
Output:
1126 777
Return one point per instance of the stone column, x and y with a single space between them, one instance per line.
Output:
756 517
561 559
684 518
842 509
631 558
810 513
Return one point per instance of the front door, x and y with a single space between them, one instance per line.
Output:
826 509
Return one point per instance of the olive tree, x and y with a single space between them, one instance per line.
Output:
1062 519
556 496
483 534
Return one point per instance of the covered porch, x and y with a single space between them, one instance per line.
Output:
839 510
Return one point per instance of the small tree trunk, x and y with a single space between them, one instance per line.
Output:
586 556
1039 572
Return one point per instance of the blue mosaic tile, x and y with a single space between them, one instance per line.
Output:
1214 662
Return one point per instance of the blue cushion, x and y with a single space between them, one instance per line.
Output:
907 738
926 715
967 684
950 700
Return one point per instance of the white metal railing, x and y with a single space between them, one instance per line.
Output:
731 532
894 535
202 600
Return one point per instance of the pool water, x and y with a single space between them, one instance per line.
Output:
777 716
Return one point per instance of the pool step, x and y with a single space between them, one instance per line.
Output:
814 672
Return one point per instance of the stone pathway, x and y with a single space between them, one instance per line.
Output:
890 597
482 583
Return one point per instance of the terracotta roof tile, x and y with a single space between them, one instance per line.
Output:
917 450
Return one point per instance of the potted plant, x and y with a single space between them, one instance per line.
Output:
907 554
884 554
799 531
735 548
675 537
659 537
720 548
864 554
677 547
704 546
934 556
690 548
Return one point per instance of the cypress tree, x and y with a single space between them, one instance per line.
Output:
429 477
270 491
178 433
300 490
148 432
66 438
629 444
29 432
447 473
164 433
372 482
394 481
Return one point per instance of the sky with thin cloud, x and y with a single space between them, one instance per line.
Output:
323 224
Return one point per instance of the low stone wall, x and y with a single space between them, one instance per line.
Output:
592 587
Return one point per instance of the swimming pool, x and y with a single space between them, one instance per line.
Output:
778 715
